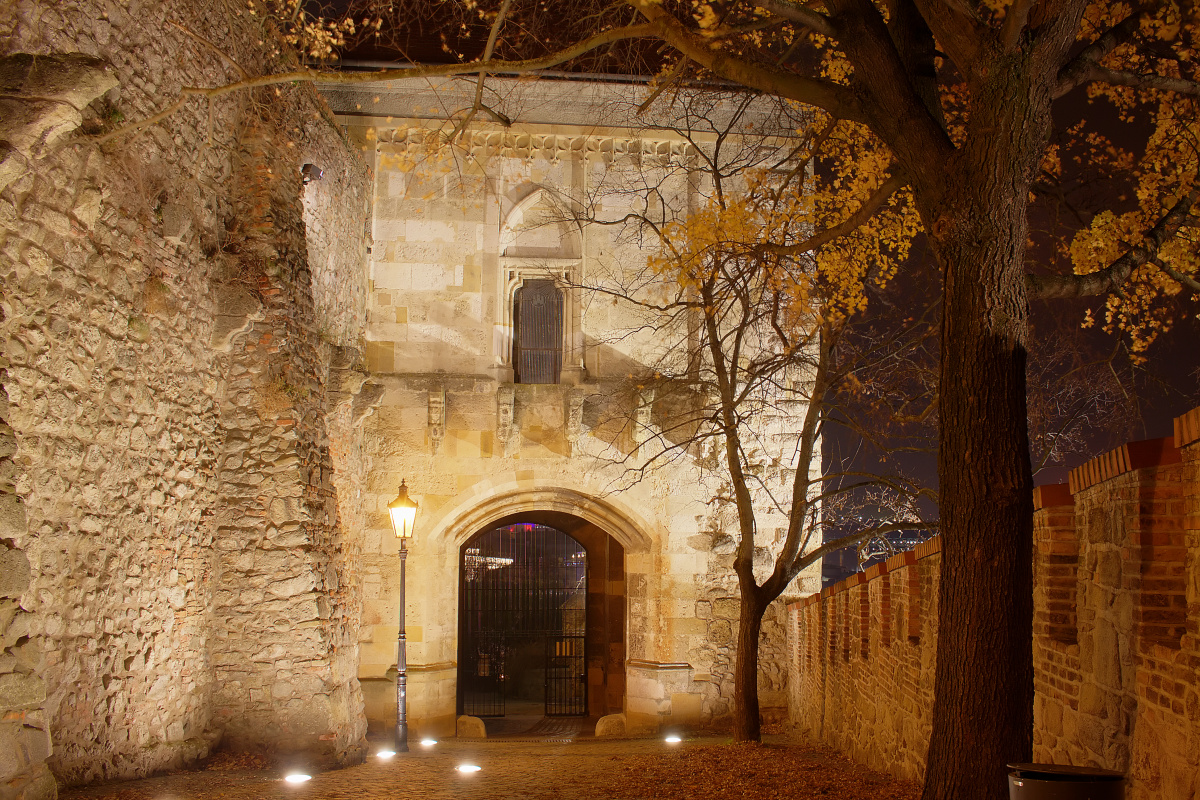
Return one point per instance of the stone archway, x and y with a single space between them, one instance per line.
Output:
618 547
620 552
605 609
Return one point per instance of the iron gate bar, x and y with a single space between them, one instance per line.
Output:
522 583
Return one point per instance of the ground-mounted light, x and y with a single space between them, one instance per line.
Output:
469 768
428 742
297 777
672 739
385 754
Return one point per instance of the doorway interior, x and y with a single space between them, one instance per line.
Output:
541 626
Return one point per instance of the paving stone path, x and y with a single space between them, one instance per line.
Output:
588 769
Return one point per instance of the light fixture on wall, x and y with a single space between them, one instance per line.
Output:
402 511
310 173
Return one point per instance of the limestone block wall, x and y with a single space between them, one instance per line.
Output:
663 580
1116 617
455 233
167 337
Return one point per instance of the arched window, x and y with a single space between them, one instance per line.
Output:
538 339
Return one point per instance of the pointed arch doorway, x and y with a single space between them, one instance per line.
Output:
541 620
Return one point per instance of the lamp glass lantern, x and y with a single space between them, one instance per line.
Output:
402 511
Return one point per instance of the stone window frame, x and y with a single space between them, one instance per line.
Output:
563 271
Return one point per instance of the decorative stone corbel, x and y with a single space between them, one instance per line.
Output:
349 383
506 401
437 418
366 402
237 311
574 420
642 416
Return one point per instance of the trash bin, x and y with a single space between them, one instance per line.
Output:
1058 782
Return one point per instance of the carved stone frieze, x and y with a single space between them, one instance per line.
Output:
505 144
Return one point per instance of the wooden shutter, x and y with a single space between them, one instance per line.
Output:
537 356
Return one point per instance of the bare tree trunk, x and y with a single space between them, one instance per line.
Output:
983 717
983 685
746 724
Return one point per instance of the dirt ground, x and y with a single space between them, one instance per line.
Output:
588 769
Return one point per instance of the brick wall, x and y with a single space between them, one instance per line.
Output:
1116 618
862 661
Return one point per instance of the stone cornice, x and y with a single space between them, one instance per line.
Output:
550 146
564 104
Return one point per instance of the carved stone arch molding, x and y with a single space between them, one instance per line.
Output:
617 586
475 512
533 225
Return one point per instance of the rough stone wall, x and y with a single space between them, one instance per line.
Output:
135 315
112 404
861 661
1116 618
719 608
1131 705
25 730
285 608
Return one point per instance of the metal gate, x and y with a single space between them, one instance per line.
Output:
566 685
523 595
537 355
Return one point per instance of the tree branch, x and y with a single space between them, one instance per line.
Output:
853 538
487 56
212 47
830 96
1185 280
864 213
676 71
1076 71
1014 23
957 29
794 12
423 71
1097 73
1109 279
884 79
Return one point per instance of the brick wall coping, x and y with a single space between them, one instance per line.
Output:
925 549
1187 428
1126 458
1052 494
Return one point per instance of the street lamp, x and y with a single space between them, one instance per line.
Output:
402 511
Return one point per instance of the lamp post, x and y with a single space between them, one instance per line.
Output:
402 511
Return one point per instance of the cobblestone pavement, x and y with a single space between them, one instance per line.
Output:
587 769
